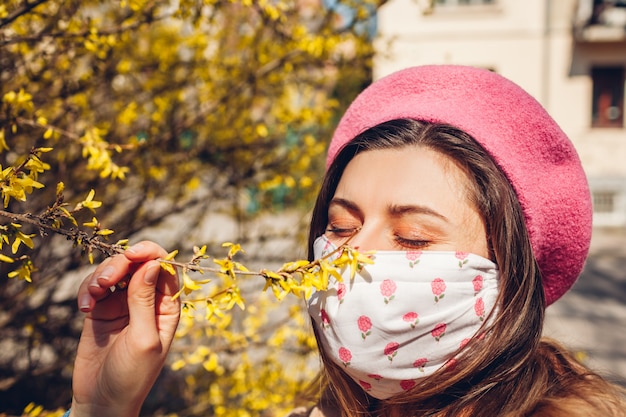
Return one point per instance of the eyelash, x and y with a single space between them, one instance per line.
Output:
342 232
411 243
402 243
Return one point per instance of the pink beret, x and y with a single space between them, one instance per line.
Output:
533 152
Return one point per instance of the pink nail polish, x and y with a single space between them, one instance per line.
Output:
84 303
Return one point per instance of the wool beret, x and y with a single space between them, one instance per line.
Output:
529 147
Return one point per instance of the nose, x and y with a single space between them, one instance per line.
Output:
369 237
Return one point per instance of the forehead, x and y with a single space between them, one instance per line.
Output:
407 175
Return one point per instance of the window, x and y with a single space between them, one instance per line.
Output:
608 97
604 201
609 201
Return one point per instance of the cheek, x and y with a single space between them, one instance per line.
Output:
335 240
473 235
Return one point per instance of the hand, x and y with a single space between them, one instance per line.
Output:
127 333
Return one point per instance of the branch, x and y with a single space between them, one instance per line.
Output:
78 236
79 35
70 135
292 277
26 7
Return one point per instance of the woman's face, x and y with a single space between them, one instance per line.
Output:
411 198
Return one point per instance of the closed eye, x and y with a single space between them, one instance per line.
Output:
411 243
342 232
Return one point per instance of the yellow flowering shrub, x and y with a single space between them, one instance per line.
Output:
114 115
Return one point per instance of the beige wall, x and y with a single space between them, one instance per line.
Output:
531 42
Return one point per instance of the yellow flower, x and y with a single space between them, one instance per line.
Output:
89 202
23 272
234 248
21 238
3 143
6 259
189 285
92 223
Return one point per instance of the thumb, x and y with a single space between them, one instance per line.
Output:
142 304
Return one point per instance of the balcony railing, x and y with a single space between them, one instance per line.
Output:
601 21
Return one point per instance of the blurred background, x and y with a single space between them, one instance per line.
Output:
202 122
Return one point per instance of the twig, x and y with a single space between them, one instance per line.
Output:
26 7
71 135
74 234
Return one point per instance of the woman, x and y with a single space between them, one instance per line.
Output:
479 212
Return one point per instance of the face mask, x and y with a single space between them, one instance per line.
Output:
402 317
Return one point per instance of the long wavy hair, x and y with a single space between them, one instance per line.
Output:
510 371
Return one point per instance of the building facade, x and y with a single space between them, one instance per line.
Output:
570 55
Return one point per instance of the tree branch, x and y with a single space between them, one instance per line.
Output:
76 235
26 7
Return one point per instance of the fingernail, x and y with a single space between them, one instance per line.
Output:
151 275
84 303
106 273
135 248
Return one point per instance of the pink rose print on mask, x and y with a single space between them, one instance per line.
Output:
365 385
411 318
325 318
477 282
388 289
391 350
341 291
420 363
439 331
407 384
439 287
375 377
345 355
479 308
413 257
462 257
328 247
365 325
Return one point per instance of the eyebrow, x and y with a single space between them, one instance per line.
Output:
347 204
394 210
401 210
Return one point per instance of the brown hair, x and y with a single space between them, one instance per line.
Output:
510 371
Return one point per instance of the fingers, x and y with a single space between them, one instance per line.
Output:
144 251
114 270
149 294
97 285
142 303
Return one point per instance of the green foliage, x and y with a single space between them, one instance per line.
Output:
159 106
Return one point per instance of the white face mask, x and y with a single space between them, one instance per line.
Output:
404 316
